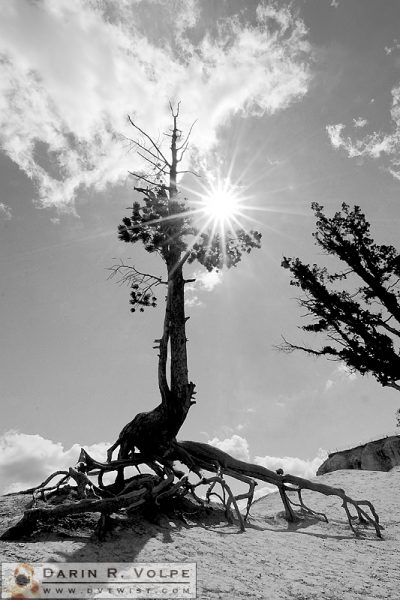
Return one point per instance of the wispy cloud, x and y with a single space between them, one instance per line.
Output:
376 145
342 374
209 279
393 47
345 372
360 122
5 212
205 281
71 70
27 460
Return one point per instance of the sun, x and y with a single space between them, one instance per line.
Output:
221 203
220 207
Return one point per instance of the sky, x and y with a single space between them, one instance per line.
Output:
295 103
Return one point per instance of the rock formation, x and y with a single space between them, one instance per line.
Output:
379 455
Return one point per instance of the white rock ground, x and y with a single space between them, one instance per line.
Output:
272 560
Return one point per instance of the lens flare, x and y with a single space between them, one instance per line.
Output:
221 203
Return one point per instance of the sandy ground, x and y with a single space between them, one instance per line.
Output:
271 560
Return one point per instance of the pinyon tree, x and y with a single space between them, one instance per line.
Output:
356 308
163 222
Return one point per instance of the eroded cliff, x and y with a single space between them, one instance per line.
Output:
379 455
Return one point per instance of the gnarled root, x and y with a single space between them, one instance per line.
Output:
81 495
305 509
136 492
227 499
215 460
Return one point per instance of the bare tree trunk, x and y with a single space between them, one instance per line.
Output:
163 356
181 389
154 432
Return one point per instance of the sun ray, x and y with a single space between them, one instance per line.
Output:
223 202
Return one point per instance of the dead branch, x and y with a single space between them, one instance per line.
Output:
189 171
149 181
130 272
157 166
184 146
152 142
288 347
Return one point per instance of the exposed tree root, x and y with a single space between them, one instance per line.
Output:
213 459
305 509
80 494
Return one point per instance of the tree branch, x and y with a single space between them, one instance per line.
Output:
152 142
155 165
126 278
288 347
186 141
149 181
189 171
145 149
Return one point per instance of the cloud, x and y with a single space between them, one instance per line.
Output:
377 145
373 145
390 49
71 70
27 460
345 372
334 3
192 300
5 212
295 466
358 123
335 134
236 445
205 281
208 279
342 374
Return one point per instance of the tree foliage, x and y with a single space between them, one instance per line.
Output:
356 309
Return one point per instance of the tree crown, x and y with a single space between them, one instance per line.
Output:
164 222
357 309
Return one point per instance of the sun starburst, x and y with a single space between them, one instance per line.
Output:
219 205
221 202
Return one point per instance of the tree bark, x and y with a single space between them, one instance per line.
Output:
181 390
